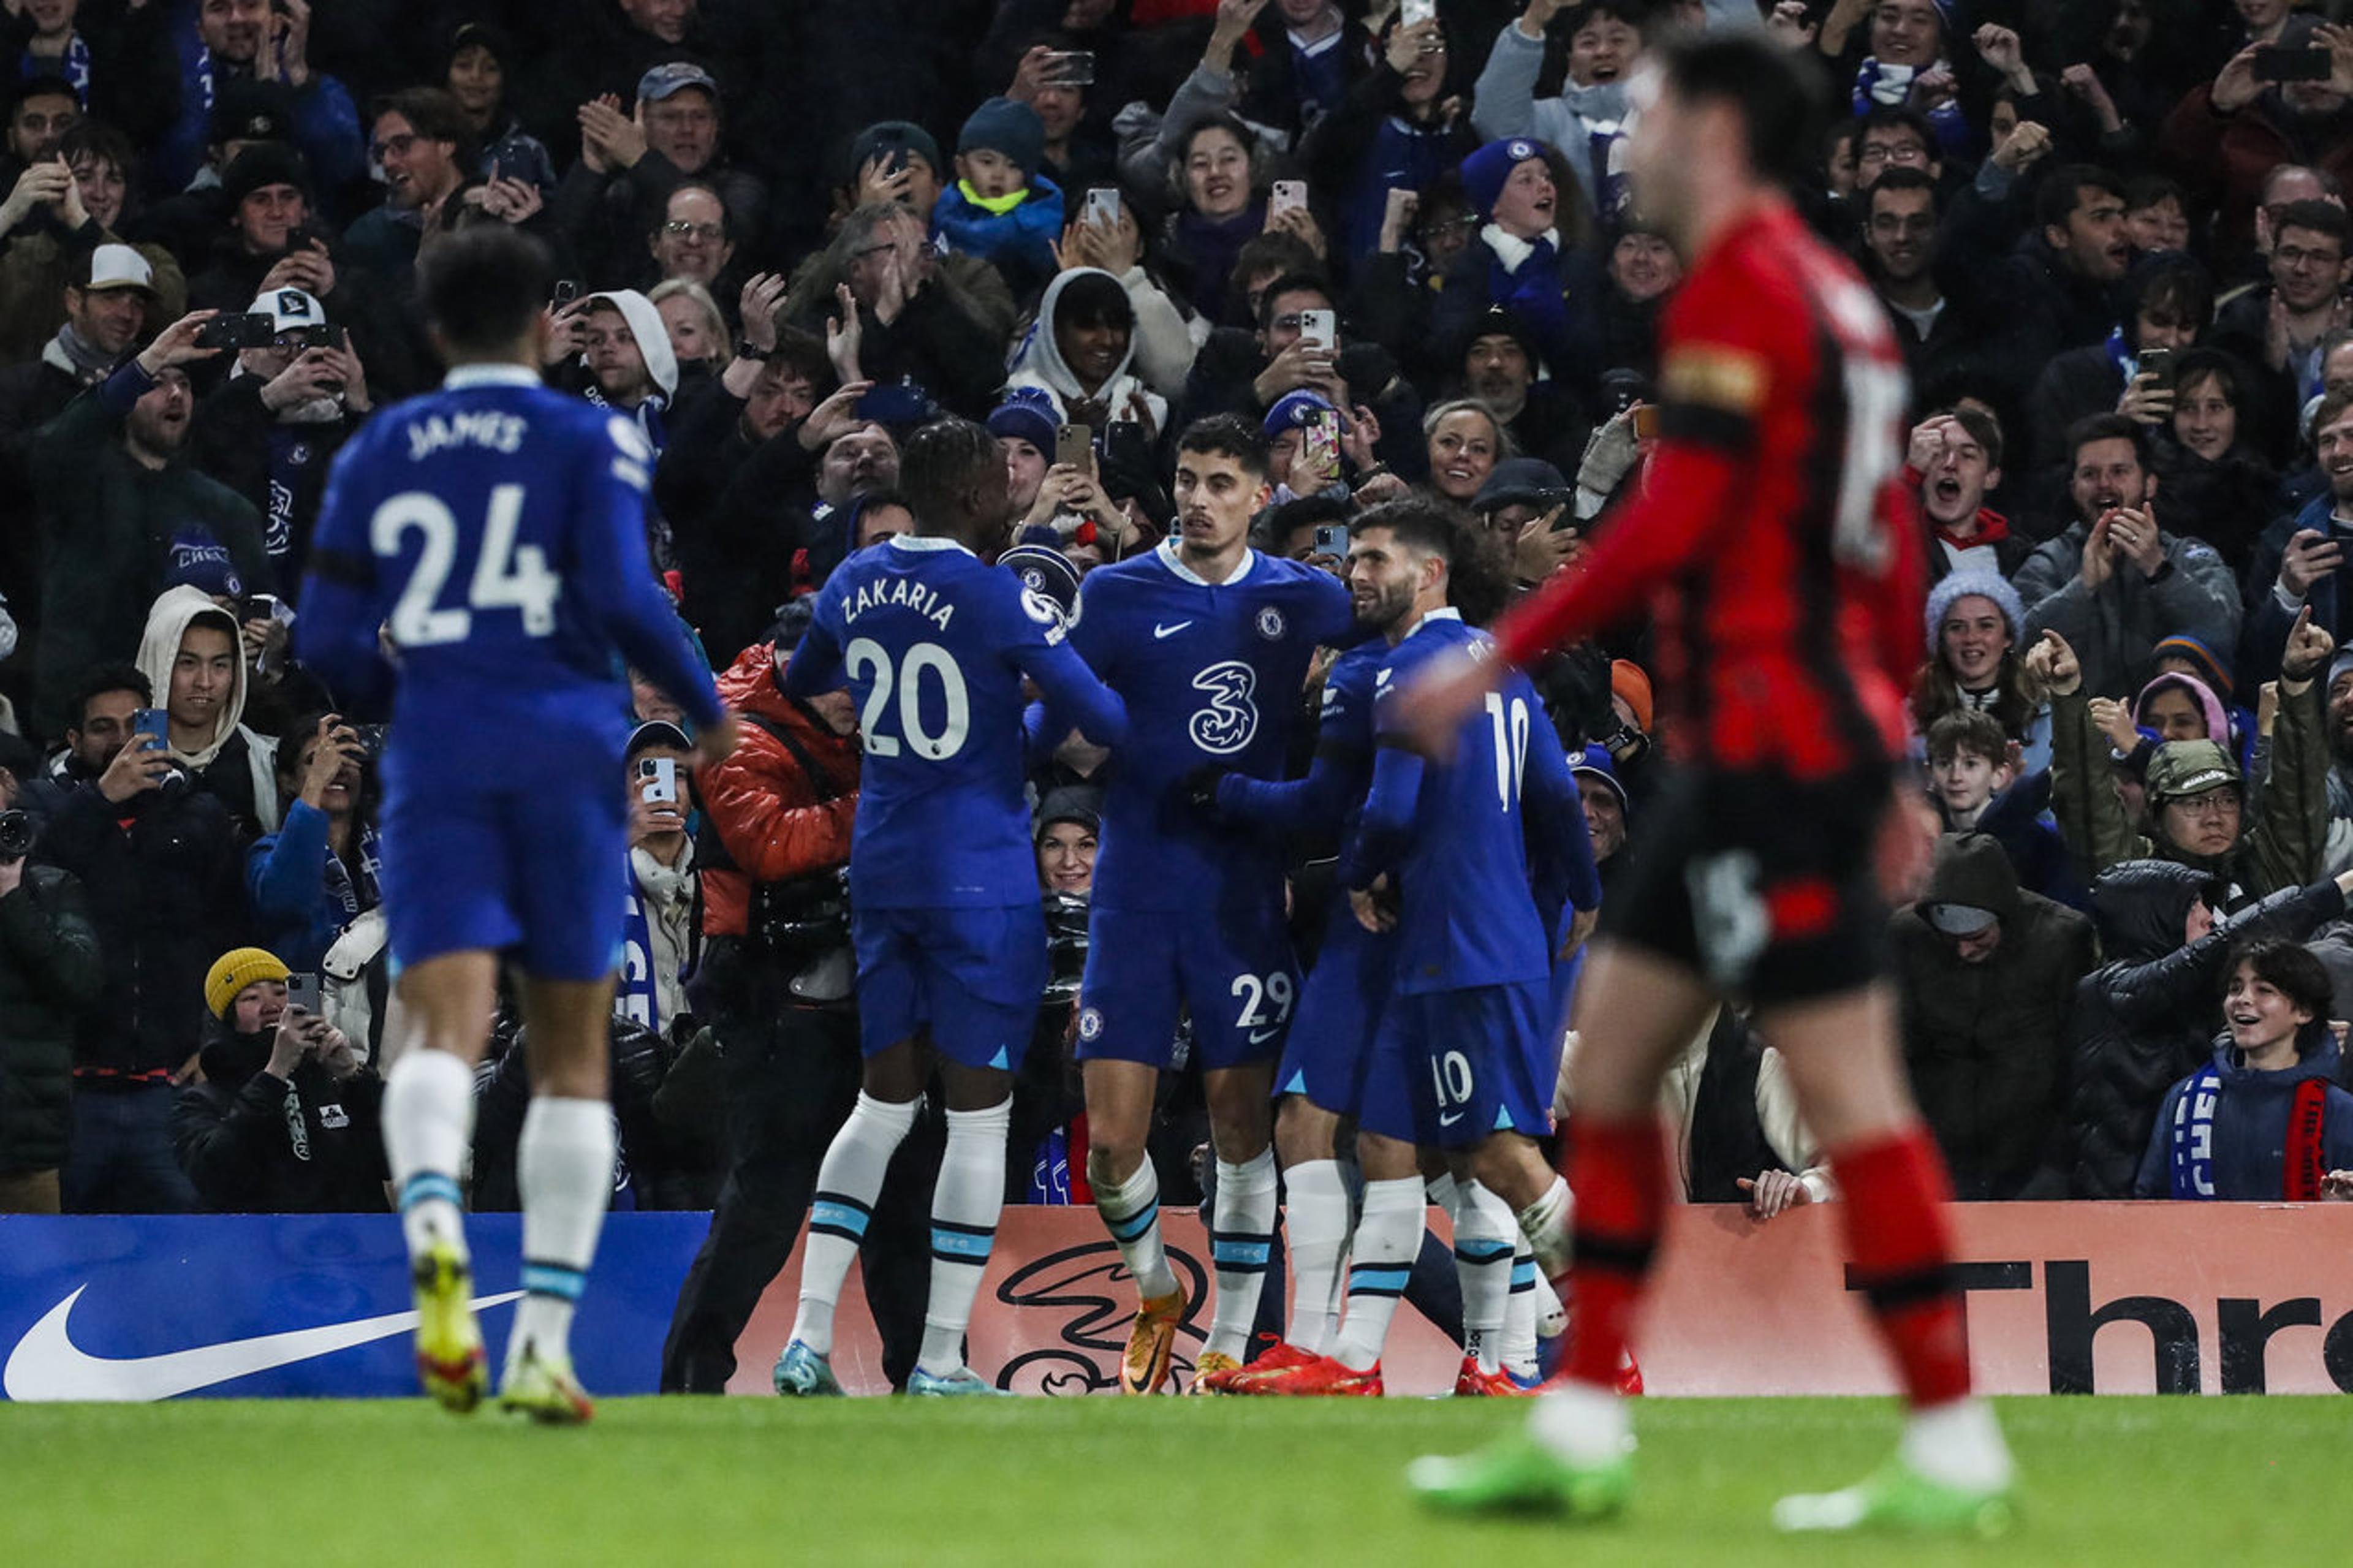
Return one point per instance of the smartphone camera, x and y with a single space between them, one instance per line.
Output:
1331 539
16 835
657 780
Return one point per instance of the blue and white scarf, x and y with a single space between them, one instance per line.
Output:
637 997
2191 1140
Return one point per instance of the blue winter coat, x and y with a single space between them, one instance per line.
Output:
2251 1121
1018 243
302 894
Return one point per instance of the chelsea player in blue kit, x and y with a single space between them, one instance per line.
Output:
1209 643
492 533
942 881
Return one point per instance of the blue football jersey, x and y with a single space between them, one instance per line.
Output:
934 646
1453 835
1323 806
495 530
1211 674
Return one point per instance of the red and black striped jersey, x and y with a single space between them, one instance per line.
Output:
1771 535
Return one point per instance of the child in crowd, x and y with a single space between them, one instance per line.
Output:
1001 208
1980 785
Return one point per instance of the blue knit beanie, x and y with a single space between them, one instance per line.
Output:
1002 125
1485 171
1984 585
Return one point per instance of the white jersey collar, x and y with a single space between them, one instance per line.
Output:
461 377
1443 613
925 541
1175 562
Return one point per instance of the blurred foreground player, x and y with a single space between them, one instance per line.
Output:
1771 540
492 534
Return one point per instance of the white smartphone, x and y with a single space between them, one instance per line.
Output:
1413 12
658 780
1102 207
1288 194
1319 327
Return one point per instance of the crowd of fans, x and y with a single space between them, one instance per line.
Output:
2111 237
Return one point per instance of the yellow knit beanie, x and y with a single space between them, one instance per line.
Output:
235 970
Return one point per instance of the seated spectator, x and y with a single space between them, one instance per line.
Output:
2264 1121
1987 974
1974 622
2117 579
1079 353
284 1118
109 479
1954 460
2174 706
1001 208
697 331
1979 782
159 862
2147 1015
663 930
1968 763
1607 816
51 973
318 873
193 654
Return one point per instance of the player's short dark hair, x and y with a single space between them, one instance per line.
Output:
99 679
1970 730
1779 93
1903 177
431 112
1218 436
2062 189
937 465
1420 525
1290 283
2106 427
1983 428
2289 968
480 287
2318 217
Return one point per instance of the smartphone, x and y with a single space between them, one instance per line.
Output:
1071 68
1319 442
1319 327
658 780
302 990
2275 64
1331 539
303 236
1646 422
252 331
1075 445
155 723
1414 12
1102 207
566 290
2158 365
1288 194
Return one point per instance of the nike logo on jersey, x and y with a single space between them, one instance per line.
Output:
1159 631
1450 1120
48 1365
1261 1036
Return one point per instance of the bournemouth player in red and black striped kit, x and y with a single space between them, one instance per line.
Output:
1774 546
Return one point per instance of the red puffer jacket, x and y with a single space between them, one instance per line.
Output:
766 809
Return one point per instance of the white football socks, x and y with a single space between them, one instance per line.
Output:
1388 1234
1241 1247
1584 1425
1519 1347
563 1166
1131 1212
1484 1237
428 1119
1315 1225
964 1207
1958 1445
848 1183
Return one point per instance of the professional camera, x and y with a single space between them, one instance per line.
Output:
16 836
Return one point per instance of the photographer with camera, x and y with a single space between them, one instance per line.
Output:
49 976
776 981
284 1118
159 860
317 874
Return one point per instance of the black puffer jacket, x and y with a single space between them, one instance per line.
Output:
49 976
2147 1017
255 1143
1987 1042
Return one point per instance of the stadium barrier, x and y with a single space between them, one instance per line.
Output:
2063 1298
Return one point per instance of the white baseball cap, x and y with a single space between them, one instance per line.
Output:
119 267
290 308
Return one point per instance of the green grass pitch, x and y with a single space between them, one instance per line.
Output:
1102 1481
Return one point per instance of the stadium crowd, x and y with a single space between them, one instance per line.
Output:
2112 238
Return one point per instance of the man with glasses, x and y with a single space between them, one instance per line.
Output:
414 137
1247 374
634 157
2280 328
1893 139
693 240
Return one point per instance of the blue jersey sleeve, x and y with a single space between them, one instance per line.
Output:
1557 837
335 635
615 577
1037 641
815 666
1387 828
1336 778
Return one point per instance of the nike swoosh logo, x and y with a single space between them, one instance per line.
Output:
1159 631
48 1365
1261 1036
1450 1120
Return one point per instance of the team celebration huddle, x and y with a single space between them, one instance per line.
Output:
481 548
